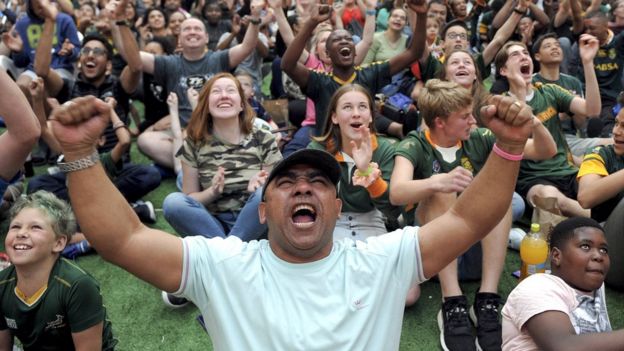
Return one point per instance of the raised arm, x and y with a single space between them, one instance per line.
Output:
37 95
484 203
131 74
417 45
22 127
591 105
503 14
109 224
43 54
239 52
290 61
503 33
362 47
541 146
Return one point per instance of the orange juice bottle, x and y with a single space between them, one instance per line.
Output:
533 252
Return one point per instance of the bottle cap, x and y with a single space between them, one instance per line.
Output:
535 227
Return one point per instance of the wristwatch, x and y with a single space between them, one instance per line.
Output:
255 21
122 23
79 164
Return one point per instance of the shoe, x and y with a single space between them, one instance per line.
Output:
454 324
145 211
515 238
173 301
484 314
74 250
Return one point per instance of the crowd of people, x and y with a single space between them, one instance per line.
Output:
417 132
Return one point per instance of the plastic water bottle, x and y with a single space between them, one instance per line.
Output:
533 252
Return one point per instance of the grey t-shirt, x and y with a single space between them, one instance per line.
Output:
177 74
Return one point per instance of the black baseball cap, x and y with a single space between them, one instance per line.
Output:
318 159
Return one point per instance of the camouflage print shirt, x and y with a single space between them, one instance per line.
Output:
242 161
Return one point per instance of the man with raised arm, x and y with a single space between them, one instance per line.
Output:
319 87
191 69
300 289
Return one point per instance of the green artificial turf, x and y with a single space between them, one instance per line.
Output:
142 322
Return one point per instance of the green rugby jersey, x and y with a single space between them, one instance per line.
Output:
603 160
71 303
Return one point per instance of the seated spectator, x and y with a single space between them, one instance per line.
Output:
335 295
133 181
95 65
316 59
366 161
431 169
390 42
601 189
63 50
225 161
191 69
22 131
565 310
547 51
47 302
608 65
555 177
320 86
216 25
252 64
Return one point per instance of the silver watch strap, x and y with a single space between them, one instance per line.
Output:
79 164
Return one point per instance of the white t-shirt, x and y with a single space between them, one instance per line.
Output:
544 292
351 300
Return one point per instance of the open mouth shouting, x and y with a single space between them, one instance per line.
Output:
345 52
303 216
525 69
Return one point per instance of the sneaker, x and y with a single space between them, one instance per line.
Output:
173 301
515 238
454 324
145 211
484 314
74 250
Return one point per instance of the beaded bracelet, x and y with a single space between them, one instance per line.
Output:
506 155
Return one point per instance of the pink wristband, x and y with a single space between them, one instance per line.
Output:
506 155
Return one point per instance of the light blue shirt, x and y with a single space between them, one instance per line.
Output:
352 299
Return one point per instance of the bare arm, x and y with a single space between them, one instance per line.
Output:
562 13
66 6
123 136
541 146
577 17
595 189
540 15
404 190
22 127
89 339
6 340
109 224
417 45
484 203
367 35
501 36
552 330
591 105
239 52
131 74
290 61
37 94
43 55
191 186
502 15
